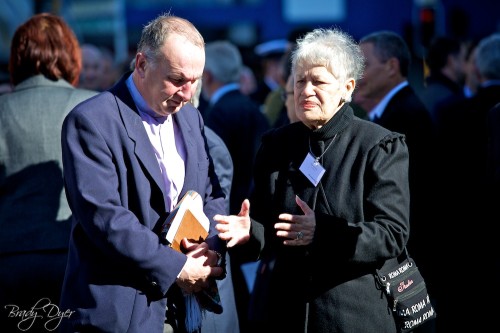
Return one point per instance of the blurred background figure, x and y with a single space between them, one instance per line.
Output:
99 68
471 82
232 115
248 82
446 64
465 140
44 67
227 321
274 105
397 107
239 122
289 101
269 72
93 69
111 70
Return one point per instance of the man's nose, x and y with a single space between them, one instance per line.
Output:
186 91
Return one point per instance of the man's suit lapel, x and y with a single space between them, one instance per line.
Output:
136 132
397 101
392 107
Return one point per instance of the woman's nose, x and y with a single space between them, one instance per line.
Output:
307 89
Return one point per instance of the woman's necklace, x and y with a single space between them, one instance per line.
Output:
316 159
311 168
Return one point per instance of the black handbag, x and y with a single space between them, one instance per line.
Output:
406 292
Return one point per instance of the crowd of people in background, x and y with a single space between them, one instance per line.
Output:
448 124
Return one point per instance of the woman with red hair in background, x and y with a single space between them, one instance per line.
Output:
44 66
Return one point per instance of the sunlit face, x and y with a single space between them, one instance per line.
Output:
318 94
375 82
169 83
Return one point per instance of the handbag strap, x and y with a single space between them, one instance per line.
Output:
391 262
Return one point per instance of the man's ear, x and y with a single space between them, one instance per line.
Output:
393 65
140 63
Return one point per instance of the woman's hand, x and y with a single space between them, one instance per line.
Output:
235 229
298 229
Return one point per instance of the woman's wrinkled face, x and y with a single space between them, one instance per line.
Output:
318 94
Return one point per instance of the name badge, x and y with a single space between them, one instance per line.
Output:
312 169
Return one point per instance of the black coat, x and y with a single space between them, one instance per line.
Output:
362 220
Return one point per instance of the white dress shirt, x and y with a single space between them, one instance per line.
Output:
168 145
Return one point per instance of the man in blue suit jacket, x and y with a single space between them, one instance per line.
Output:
129 155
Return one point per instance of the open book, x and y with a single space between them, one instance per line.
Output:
187 220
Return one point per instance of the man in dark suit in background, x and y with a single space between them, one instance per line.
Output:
232 115
44 66
227 321
397 107
268 73
129 155
240 123
467 139
446 62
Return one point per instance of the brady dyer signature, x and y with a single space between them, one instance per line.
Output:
43 310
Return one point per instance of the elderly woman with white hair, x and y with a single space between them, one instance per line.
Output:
331 201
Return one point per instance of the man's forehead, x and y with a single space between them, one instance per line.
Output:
185 65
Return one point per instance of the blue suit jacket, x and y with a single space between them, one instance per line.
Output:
118 272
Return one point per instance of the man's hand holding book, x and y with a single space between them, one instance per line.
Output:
185 230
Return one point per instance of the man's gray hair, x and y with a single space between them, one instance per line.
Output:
488 57
156 32
223 60
388 44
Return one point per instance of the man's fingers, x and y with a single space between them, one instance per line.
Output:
188 245
194 249
216 271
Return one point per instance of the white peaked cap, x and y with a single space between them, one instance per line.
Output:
271 47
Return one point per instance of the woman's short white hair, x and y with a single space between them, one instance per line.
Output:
333 49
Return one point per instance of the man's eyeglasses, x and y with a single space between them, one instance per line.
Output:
284 95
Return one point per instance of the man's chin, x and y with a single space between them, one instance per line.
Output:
171 109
